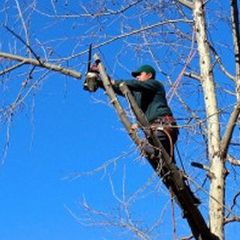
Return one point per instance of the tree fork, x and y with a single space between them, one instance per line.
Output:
172 177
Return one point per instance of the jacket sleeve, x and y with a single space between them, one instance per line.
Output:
114 86
138 86
135 85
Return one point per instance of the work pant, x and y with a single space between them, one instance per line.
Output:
166 131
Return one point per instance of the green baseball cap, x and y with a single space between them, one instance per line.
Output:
146 69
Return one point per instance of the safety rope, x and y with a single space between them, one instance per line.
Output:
170 143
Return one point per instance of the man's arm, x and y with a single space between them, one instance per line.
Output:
138 86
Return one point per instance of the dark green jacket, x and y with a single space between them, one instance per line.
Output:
150 96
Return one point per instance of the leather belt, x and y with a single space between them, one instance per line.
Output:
164 120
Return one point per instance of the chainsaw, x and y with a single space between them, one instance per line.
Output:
91 84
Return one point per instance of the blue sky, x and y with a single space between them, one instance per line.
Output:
36 178
62 132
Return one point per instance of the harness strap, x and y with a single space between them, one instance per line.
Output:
167 124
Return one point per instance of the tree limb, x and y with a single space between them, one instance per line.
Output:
25 29
219 61
186 3
229 131
107 12
193 75
11 68
232 219
40 63
134 32
236 40
23 41
233 161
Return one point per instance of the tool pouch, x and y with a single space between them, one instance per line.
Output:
91 83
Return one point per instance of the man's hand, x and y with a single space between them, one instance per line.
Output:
94 68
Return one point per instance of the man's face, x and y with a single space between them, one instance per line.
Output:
143 76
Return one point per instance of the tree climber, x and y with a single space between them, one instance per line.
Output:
151 98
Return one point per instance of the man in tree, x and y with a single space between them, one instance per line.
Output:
151 99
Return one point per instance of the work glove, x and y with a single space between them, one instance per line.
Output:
94 68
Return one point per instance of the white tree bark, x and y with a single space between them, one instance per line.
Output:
236 43
216 212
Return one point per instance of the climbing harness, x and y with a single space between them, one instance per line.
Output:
168 126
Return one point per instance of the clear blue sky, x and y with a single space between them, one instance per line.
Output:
69 133
63 131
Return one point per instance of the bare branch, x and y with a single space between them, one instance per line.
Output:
193 75
181 74
187 3
235 200
233 161
49 66
210 196
8 113
94 217
106 12
219 61
229 131
232 219
203 167
134 32
25 29
102 168
24 42
11 68
236 40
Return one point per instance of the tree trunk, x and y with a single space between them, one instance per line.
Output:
217 185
